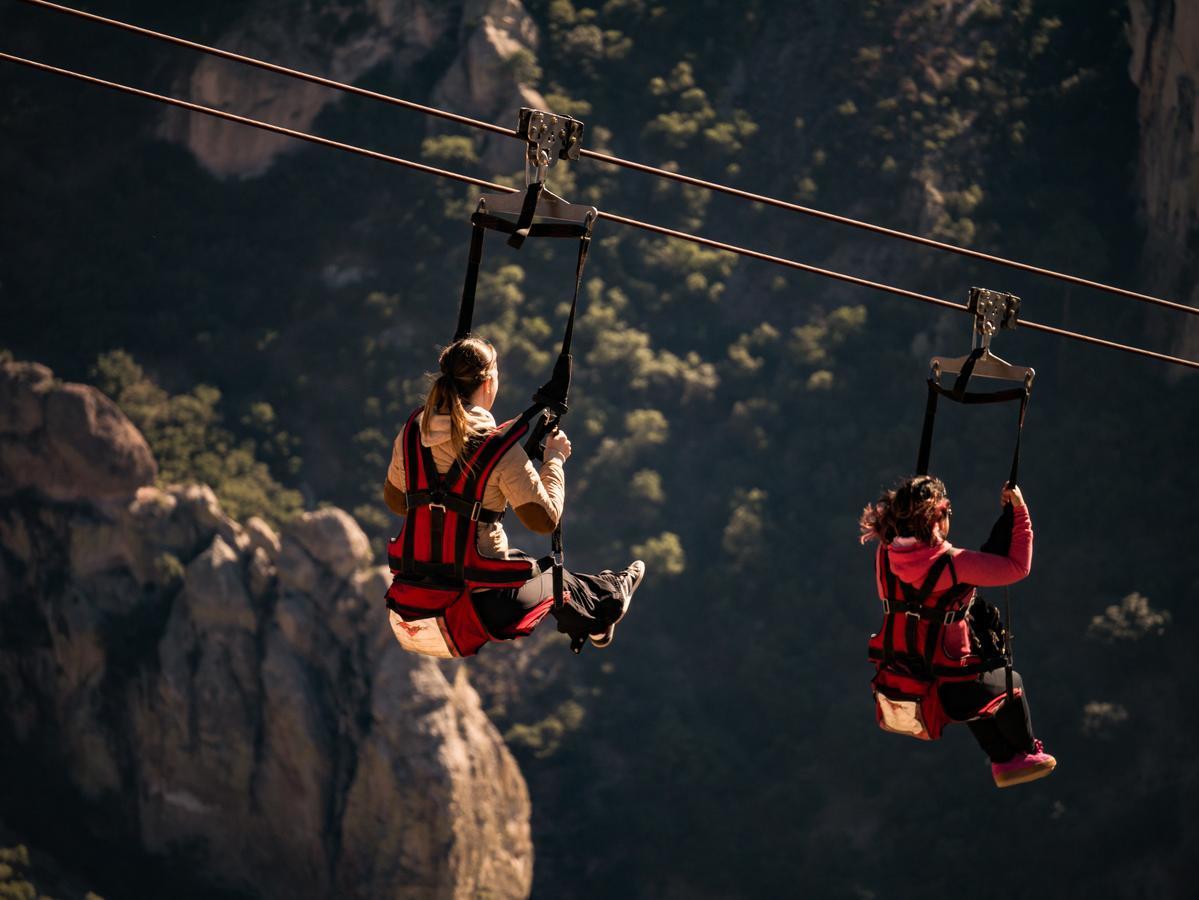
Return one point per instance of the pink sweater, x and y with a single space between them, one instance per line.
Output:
911 559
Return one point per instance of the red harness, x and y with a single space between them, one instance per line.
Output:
913 651
435 560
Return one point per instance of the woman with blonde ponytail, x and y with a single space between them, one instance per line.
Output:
454 422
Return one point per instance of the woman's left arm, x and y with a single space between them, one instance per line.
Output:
991 569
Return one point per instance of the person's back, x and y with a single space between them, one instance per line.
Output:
454 432
927 588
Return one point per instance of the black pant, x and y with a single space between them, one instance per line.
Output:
591 603
1002 735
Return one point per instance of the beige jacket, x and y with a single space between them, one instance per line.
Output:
537 498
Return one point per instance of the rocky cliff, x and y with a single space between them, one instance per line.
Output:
344 41
1165 68
226 694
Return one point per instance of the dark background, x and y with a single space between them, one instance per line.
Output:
725 745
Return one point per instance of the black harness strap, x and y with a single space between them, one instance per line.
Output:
524 222
914 609
466 308
437 509
411 464
888 621
942 671
550 402
959 394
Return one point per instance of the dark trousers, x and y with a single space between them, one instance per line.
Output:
591 603
1002 735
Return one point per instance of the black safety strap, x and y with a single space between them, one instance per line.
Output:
437 509
914 661
481 222
524 222
554 393
912 603
959 394
466 308
1007 644
550 402
411 461
469 510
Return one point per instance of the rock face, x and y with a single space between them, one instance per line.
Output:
232 697
1165 68
66 441
344 40
483 81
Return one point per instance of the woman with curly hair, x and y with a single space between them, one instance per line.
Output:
928 587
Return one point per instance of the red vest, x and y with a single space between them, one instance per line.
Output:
435 560
924 641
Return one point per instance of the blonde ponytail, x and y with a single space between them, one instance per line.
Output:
464 365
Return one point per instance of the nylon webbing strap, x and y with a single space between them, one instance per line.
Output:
466 308
554 393
524 222
481 221
559 557
959 394
1007 643
926 434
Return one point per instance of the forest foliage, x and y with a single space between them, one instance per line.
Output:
729 418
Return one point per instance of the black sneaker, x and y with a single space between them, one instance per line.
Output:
626 583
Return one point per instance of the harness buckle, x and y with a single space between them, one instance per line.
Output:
476 510
950 617
915 614
886 607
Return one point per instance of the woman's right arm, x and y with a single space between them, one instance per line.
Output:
536 498
991 569
394 486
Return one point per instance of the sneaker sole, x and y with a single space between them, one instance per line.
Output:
600 641
1026 775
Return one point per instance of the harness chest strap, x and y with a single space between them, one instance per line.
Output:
458 492
914 608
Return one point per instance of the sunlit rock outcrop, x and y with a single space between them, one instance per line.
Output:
344 40
230 694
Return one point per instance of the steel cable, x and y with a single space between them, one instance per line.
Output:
625 163
612 217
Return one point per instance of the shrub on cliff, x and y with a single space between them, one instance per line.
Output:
190 442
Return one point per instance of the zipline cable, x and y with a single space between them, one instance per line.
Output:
625 163
613 217
256 123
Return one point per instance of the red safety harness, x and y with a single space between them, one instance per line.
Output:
911 650
435 558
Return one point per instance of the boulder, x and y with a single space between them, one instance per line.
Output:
67 442
262 535
330 537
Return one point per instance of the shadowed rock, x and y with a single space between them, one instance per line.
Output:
224 698
66 441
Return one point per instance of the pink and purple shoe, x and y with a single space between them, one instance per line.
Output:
1023 767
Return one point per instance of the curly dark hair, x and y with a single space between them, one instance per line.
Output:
912 509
